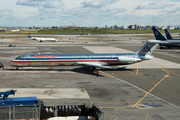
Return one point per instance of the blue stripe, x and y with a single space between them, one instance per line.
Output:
114 58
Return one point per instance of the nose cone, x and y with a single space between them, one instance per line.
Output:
1 65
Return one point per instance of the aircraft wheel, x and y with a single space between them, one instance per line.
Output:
94 69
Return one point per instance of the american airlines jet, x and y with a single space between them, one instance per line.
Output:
42 39
93 60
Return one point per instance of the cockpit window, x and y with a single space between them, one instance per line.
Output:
18 58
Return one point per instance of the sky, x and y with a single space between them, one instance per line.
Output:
89 13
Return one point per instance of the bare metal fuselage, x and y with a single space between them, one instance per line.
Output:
31 60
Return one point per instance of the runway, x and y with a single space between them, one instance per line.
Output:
145 91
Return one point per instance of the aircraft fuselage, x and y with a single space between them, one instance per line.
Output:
28 60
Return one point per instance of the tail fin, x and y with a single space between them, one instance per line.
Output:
168 35
148 48
29 36
158 35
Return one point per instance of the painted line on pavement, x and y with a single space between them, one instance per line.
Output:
138 88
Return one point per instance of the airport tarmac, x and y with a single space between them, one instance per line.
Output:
145 91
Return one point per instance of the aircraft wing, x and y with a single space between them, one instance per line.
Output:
94 64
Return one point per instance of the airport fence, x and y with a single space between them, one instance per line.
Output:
20 112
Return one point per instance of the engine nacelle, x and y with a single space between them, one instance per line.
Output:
148 57
126 60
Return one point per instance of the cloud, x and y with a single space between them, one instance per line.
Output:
6 14
97 3
53 4
6 10
155 5
28 3
175 10
41 3
7 18
89 12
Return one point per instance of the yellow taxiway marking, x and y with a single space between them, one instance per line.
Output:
146 117
137 68
130 117
94 101
43 79
12 82
116 107
112 117
173 73
165 76
125 74
151 89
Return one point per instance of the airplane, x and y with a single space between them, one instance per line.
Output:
42 39
93 60
172 43
158 35
168 35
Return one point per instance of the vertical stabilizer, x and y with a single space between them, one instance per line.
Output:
147 48
168 35
29 36
158 35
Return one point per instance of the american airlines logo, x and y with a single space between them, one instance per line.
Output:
146 49
46 56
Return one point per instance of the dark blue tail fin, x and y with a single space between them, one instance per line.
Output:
168 35
158 35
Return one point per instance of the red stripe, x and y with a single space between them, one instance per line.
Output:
69 61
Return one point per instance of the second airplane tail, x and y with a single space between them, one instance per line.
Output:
29 36
158 35
168 35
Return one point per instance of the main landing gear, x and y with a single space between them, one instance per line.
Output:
94 69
